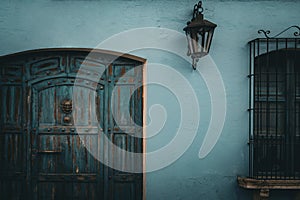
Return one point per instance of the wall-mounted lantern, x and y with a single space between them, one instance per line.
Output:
199 33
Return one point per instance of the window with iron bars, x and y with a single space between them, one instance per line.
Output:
274 108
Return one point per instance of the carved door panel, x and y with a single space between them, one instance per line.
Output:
12 133
60 134
125 131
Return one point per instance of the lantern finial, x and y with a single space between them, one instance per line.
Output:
198 10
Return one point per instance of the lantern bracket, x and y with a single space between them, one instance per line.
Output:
198 10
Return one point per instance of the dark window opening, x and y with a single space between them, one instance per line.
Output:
275 109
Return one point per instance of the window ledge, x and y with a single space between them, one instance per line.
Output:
251 183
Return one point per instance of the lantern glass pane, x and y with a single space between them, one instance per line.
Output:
199 41
195 38
209 39
189 41
202 44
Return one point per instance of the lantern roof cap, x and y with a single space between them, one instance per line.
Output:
199 22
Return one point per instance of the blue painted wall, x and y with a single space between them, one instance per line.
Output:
37 24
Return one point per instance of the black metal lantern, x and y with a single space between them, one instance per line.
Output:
199 33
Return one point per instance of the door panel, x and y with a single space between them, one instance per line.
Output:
59 148
55 190
12 189
54 154
124 93
11 101
12 153
12 136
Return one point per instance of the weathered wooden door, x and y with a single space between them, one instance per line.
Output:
61 164
54 119
13 139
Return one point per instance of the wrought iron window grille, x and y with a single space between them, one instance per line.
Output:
274 106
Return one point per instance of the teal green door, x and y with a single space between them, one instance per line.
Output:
58 121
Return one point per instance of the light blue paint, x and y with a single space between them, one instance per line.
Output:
36 24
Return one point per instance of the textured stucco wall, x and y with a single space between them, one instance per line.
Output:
36 24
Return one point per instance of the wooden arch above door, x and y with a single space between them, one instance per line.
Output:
41 154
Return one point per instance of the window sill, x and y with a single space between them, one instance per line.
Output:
262 187
251 183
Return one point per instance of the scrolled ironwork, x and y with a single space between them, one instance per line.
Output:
197 9
267 32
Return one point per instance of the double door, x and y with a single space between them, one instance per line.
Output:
57 124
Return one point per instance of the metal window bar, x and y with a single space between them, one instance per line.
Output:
274 108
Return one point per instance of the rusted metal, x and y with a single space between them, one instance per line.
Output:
66 106
49 151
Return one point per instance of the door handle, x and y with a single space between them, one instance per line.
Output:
49 152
